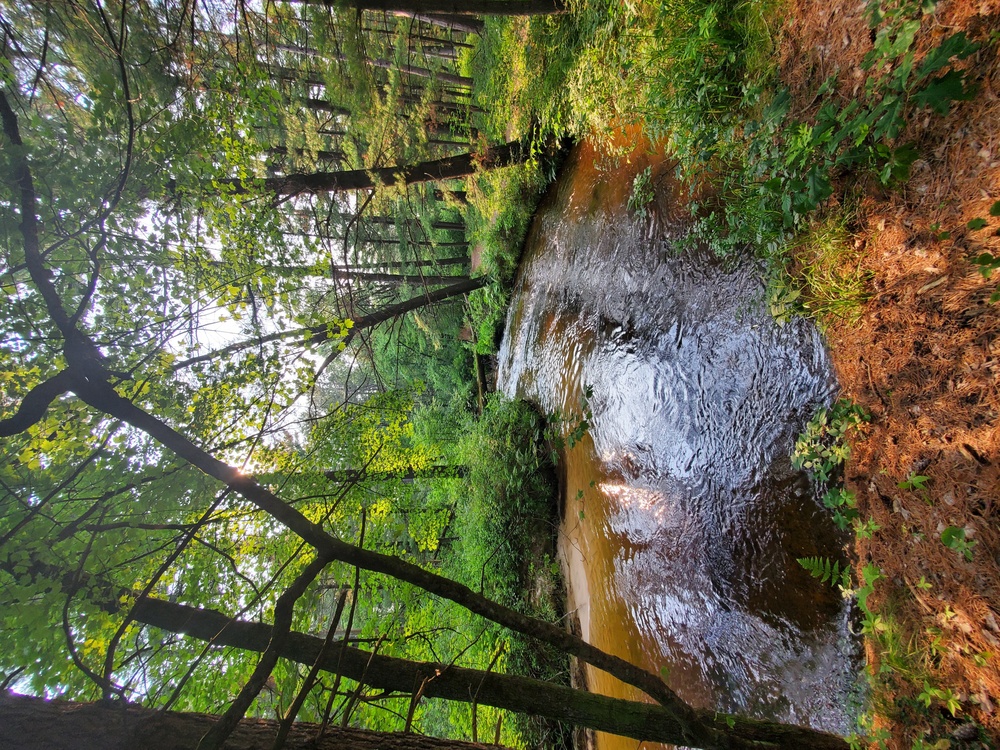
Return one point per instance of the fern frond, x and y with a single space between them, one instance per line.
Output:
825 569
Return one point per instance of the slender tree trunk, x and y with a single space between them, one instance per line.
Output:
423 39
29 723
447 8
395 279
441 53
346 273
334 156
392 221
461 260
312 78
421 243
454 22
351 476
448 168
320 333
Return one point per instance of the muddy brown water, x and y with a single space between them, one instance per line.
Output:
683 516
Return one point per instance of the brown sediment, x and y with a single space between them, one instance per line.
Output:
924 359
577 610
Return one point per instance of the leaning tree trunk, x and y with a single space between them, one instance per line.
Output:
447 8
448 168
29 723
635 719
322 332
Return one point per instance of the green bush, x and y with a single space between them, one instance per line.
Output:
510 496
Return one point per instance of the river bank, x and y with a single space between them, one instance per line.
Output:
922 357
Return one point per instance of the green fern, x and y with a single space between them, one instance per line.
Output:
827 570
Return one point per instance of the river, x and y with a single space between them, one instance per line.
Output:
683 517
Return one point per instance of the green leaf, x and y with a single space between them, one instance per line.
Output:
943 90
913 482
952 535
977 223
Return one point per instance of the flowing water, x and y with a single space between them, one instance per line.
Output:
683 517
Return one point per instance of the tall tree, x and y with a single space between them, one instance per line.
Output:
28 723
343 330
457 7
434 170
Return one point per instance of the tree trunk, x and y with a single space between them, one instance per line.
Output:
391 221
453 21
450 167
306 76
346 273
334 156
445 8
320 333
641 721
29 723
395 279
350 476
465 7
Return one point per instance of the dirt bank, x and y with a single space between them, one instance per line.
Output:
924 359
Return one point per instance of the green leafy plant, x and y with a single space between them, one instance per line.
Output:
944 695
865 529
987 263
914 481
642 193
870 575
566 430
843 503
954 538
822 447
827 570
786 167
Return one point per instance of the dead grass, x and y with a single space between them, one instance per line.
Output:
924 358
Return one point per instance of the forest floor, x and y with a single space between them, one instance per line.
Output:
924 359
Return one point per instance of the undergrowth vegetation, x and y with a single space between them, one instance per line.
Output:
702 75
501 203
504 528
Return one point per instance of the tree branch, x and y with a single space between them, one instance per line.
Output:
283 610
36 403
642 721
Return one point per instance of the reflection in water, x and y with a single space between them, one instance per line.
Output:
681 551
